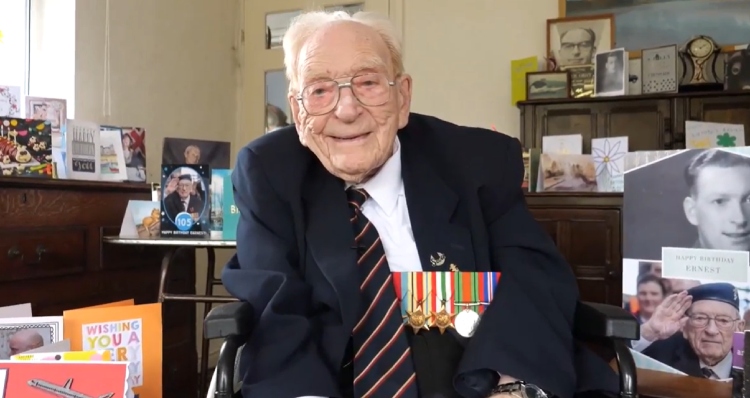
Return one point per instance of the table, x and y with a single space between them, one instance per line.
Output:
172 246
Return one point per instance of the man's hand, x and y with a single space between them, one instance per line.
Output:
668 318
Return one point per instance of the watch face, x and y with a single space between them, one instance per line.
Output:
700 48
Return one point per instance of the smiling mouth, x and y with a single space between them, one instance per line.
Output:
737 235
352 138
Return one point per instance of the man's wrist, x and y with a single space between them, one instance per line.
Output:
648 333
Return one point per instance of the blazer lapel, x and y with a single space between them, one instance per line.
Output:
330 238
442 244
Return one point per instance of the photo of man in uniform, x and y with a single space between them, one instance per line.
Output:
718 201
692 332
183 199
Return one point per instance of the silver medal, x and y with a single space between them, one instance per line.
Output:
466 322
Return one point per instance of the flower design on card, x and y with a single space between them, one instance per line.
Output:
726 140
607 156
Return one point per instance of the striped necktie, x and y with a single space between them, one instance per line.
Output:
383 365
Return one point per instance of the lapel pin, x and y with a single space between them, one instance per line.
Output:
440 260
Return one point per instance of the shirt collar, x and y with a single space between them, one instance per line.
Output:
722 369
386 185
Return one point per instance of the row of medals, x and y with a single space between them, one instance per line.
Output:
465 321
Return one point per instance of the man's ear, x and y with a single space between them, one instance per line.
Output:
404 87
294 107
688 205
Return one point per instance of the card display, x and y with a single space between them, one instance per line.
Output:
185 206
686 236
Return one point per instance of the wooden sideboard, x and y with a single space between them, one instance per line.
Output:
52 256
587 228
651 122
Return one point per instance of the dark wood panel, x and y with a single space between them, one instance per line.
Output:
651 122
586 227
52 255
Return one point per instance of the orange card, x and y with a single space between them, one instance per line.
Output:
32 379
132 333
112 304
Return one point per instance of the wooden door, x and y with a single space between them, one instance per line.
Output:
263 78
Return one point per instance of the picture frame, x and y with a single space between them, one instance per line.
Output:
737 71
658 72
46 329
547 85
575 41
611 73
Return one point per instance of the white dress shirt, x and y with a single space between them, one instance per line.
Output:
386 209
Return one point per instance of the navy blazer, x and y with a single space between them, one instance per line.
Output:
295 261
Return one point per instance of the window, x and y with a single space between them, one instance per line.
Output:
39 37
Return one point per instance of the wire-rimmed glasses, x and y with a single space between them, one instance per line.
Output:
321 97
701 321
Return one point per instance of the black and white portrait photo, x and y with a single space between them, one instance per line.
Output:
737 76
611 73
697 198
188 151
575 41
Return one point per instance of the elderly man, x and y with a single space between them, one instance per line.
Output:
24 340
183 199
707 315
359 187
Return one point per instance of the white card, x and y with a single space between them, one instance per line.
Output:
141 220
563 144
701 135
609 160
82 150
10 101
112 157
16 311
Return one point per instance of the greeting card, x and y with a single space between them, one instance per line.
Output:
609 160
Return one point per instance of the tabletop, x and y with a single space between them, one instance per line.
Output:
116 240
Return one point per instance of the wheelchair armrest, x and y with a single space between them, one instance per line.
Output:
593 320
233 319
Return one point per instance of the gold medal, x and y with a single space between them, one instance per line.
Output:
466 322
417 320
443 319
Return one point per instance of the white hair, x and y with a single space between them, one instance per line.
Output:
304 25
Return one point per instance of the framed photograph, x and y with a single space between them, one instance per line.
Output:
659 70
737 74
611 73
18 335
547 85
575 41
188 151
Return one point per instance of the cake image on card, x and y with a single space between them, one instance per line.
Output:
25 148
686 235
185 206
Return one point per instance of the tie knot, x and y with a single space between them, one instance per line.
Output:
708 372
357 196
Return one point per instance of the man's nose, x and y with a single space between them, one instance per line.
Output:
738 214
348 107
711 328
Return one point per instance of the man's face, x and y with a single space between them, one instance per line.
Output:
720 206
611 64
576 48
650 295
16 345
183 188
192 155
340 51
713 341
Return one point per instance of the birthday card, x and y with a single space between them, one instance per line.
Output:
131 333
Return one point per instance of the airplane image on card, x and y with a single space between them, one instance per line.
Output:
64 391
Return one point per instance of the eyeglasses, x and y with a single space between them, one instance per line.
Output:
721 321
586 45
371 89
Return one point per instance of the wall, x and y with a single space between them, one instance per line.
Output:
172 70
459 54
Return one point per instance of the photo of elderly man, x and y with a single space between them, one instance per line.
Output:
692 331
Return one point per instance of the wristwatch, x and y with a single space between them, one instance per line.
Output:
520 389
